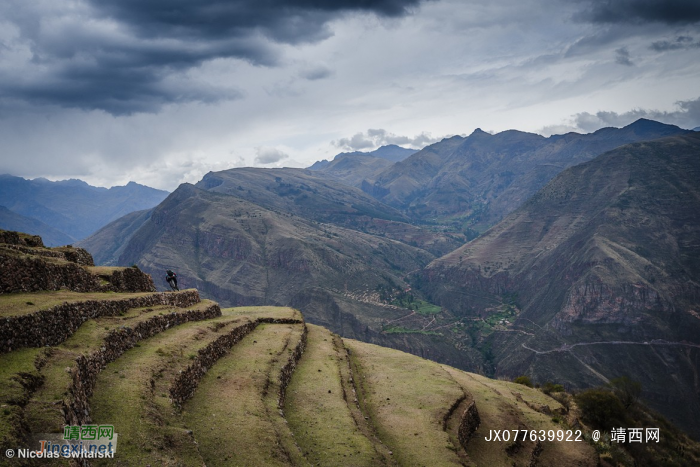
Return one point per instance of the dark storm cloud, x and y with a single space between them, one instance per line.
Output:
688 116
316 73
679 43
137 58
641 11
289 21
622 57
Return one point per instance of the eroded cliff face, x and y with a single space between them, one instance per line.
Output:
598 303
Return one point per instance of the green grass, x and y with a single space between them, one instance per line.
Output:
132 394
419 306
406 399
317 412
13 393
404 330
43 410
228 414
508 406
425 308
15 304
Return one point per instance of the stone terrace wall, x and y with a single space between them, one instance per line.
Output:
54 325
16 238
450 412
469 424
74 255
76 408
288 369
186 383
31 274
129 280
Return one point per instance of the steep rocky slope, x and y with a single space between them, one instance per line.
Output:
474 182
307 194
353 168
599 274
243 253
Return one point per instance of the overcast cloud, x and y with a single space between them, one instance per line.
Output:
163 91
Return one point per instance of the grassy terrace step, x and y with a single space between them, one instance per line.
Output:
19 304
19 377
317 409
234 413
504 405
132 393
72 367
38 319
406 399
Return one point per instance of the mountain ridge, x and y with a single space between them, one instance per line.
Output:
605 253
475 181
74 207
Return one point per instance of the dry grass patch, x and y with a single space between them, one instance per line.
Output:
103 270
254 312
317 412
406 399
43 411
131 393
228 415
16 304
503 405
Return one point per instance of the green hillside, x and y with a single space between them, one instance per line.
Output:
185 383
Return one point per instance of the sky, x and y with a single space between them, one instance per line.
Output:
161 92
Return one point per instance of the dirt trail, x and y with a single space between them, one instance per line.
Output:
568 347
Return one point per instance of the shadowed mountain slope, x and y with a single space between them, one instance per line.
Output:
108 244
601 269
242 253
12 221
390 153
72 206
312 196
476 181
354 168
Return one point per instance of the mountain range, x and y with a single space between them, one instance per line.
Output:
591 274
601 267
352 168
69 210
473 182
12 221
285 236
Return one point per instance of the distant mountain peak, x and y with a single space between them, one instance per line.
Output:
389 152
644 124
74 207
479 131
